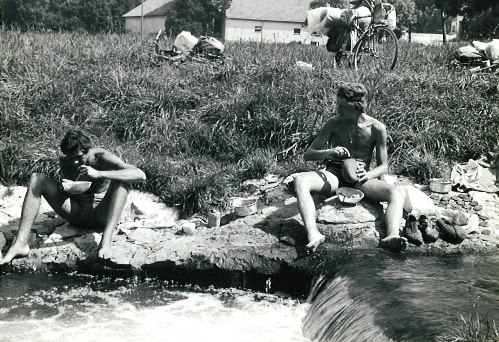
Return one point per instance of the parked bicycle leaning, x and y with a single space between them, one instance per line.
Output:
359 36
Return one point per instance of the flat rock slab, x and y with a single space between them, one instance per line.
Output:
150 237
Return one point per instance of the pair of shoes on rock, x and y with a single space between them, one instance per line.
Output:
420 231
429 233
411 231
450 233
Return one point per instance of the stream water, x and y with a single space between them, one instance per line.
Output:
377 297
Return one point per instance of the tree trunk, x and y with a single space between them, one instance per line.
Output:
444 30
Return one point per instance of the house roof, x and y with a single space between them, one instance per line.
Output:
269 10
151 8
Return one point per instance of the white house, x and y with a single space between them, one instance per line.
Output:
154 14
455 25
268 21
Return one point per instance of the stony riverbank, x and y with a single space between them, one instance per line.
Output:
269 244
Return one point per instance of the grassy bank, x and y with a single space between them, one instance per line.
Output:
198 130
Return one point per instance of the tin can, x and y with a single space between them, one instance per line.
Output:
214 219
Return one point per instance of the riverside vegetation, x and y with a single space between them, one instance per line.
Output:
199 129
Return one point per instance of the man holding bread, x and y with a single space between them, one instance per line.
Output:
346 143
95 200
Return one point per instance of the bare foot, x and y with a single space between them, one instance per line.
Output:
394 243
315 241
104 252
15 251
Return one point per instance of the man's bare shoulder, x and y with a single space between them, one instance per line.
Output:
333 122
98 152
376 124
98 155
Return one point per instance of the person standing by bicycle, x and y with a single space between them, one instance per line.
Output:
352 134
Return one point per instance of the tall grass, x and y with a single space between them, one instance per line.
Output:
476 328
198 130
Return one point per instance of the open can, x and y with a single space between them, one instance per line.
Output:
214 219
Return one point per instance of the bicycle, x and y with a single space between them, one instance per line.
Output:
375 46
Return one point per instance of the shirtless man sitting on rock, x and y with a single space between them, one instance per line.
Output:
98 207
350 134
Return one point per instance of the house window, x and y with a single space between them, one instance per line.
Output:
258 29
297 31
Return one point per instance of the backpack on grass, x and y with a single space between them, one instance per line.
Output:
469 55
209 45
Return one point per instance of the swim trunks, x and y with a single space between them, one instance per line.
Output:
83 209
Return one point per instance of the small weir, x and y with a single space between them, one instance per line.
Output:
376 296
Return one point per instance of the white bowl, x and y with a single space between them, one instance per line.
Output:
244 206
349 195
75 187
189 228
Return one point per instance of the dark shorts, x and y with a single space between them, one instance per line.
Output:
83 213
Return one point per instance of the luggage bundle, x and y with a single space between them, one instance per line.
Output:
207 45
478 54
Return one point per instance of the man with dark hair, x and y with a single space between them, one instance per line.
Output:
351 134
100 206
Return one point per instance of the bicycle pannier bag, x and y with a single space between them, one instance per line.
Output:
209 45
390 15
335 39
324 19
185 41
469 55
364 17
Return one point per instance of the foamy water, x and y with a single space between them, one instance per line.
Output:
145 312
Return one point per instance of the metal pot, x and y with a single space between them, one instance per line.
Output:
440 185
245 206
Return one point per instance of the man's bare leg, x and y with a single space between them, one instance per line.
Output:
39 185
108 214
380 191
305 185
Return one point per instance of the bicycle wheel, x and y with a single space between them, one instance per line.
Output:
377 49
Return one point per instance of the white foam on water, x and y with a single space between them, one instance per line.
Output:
108 316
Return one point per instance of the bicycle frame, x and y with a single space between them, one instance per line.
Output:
365 42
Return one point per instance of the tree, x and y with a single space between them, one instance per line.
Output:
406 13
448 8
482 16
332 3
67 15
200 17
